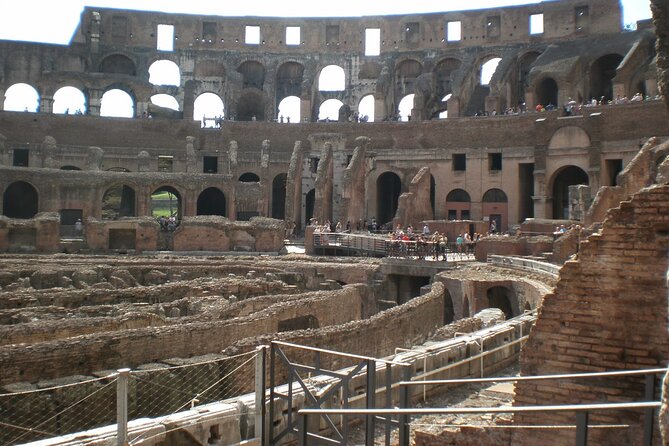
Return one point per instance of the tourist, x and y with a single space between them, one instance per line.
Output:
459 242
78 227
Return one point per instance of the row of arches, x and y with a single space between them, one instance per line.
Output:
496 296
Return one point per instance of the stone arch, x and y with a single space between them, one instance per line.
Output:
329 110
445 71
525 63
249 177
388 190
251 105
253 74
21 97
208 105
487 67
164 72
449 313
547 91
569 137
332 78
366 107
495 206
309 204
118 201
211 201
69 100
118 101
405 107
289 108
458 205
118 64
406 72
503 298
166 201
165 101
563 178
602 72
289 78
20 200
279 196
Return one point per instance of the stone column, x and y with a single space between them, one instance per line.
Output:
94 101
46 104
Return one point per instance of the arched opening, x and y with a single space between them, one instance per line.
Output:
118 202
495 207
465 307
164 72
21 97
405 106
251 106
602 72
249 177
211 202
488 69
279 196
524 66
118 64
289 109
289 78
69 101
444 106
449 313
547 92
458 205
332 78
406 73
166 101
329 110
20 200
388 190
445 71
253 74
166 202
366 108
206 108
117 103
501 297
567 176
309 202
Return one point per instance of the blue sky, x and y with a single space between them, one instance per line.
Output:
54 21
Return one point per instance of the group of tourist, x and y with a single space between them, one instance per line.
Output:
168 224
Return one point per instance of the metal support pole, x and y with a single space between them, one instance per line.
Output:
649 413
371 403
272 384
582 428
405 373
260 387
122 407
304 432
389 400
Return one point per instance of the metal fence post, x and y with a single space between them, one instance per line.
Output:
582 428
260 390
649 414
371 401
405 375
122 407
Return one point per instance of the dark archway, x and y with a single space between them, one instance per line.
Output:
166 202
568 176
524 66
117 202
251 105
309 202
279 196
388 190
501 297
547 92
602 72
406 73
465 307
253 74
289 80
249 177
20 200
444 72
211 202
458 205
449 313
118 64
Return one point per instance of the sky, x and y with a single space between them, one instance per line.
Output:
54 21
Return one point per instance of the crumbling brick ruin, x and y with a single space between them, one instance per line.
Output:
142 301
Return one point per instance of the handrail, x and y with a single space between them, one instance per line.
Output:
533 378
332 352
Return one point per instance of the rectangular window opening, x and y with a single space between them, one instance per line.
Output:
292 35
459 162
209 32
454 31
313 165
21 157
495 161
372 41
536 24
252 35
412 32
165 163
165 39
465 215
331 34
452 214
210 164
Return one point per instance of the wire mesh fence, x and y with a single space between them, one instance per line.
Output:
50 412
154 391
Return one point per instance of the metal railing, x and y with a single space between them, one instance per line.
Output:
524 264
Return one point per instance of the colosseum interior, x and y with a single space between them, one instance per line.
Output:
168 241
